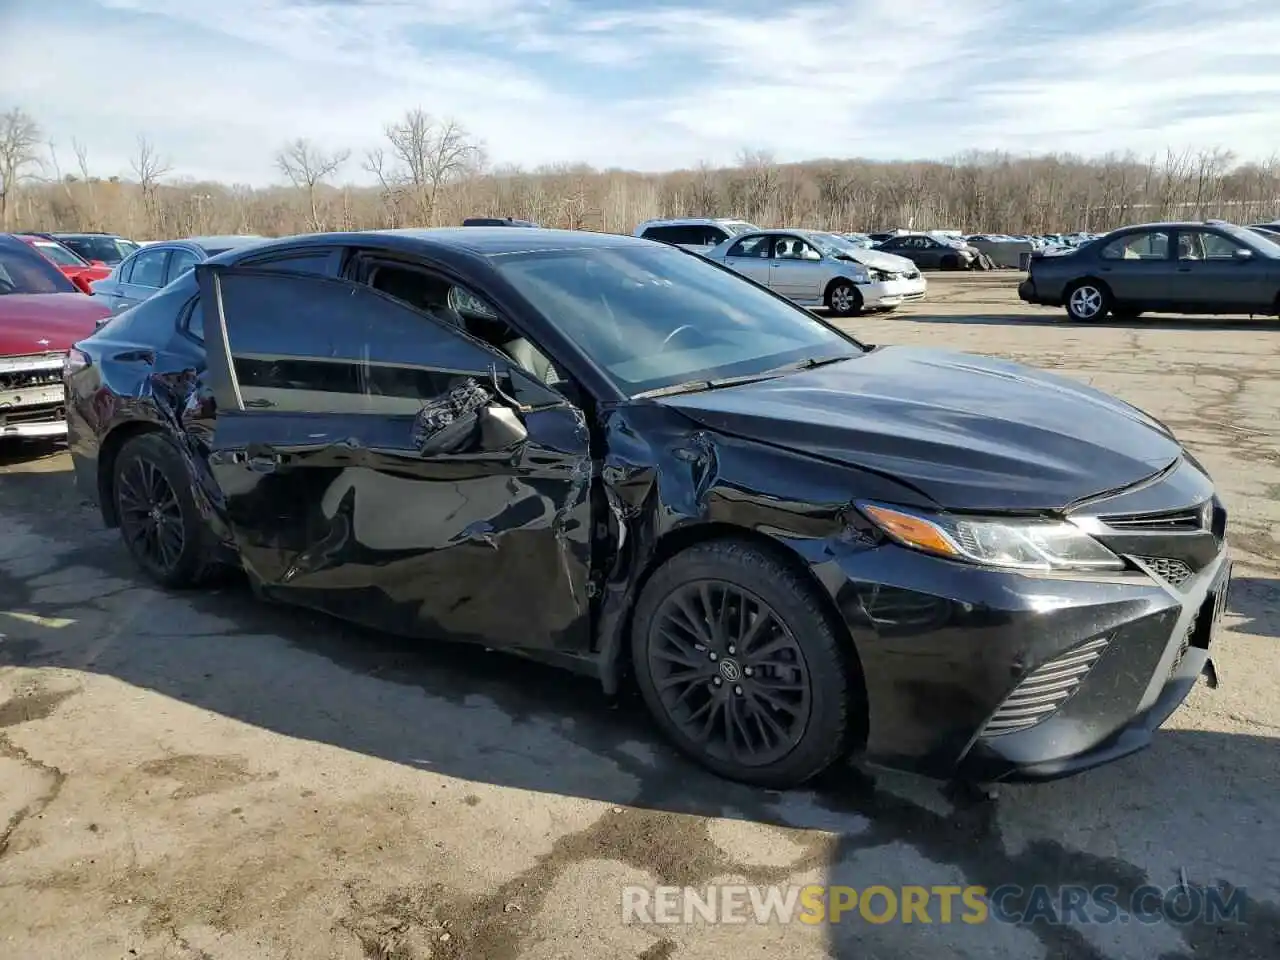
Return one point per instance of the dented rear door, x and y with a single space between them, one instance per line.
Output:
385 467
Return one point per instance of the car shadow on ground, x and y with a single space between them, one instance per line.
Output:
489 718
1256 599
1059 319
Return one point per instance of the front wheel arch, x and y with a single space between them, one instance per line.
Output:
615 666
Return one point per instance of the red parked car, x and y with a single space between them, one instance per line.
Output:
74 267
42 314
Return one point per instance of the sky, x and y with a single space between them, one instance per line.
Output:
219 85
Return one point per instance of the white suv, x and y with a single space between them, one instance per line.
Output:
693 233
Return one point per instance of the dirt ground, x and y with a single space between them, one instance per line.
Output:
205 776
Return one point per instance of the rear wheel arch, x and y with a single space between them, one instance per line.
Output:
692 535
108 452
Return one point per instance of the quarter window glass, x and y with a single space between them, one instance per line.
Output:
1150 245
315 263
148 268
181 262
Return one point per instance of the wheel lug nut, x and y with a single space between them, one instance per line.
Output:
713 656
738 691
717 681
747 671
732 649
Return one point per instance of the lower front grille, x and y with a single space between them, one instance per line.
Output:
1173 572
1044 690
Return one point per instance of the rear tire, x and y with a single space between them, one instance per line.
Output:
159 521
844 299
1088 301
740 666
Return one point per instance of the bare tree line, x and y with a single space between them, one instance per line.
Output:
431 172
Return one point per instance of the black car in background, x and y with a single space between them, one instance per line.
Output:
1193 268
619 457
107 248
929 252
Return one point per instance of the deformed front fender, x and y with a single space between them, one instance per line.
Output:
670 482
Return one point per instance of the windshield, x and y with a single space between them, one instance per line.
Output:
1261 242
652 318
22 270
58 253
831 245
107 249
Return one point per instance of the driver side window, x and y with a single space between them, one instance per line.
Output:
453 305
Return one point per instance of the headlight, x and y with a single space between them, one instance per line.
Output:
1011 543
860 276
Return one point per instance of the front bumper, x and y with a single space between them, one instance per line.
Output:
951 652
31 431
892 293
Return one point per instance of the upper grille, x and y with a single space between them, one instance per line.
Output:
23 373
1189 519
1173 572
1044 690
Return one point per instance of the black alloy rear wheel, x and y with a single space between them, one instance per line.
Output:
159 521
741 668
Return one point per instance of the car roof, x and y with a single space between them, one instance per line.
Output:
481 241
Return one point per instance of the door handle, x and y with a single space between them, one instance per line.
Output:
1184 269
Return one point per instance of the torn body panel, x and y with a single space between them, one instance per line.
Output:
669 481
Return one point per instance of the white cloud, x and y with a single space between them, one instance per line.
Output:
219 86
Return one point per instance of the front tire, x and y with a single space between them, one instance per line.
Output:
159 521
1088 301
844 299
740 666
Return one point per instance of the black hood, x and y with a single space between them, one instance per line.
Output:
971 433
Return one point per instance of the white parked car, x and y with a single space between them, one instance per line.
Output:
816 269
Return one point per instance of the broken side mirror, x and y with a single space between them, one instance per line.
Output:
500 428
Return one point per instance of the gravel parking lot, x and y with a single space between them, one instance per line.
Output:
206 776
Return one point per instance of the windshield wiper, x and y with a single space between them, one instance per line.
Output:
697 386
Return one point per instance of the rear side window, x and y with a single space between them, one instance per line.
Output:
1148 245
148 268
313 263
310 345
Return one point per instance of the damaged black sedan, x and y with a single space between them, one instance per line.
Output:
616 456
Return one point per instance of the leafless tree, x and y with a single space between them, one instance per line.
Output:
426 155
430 172
19 151
307 166
149 168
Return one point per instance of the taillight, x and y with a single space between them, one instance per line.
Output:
74 362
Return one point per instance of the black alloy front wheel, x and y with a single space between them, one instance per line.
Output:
741 667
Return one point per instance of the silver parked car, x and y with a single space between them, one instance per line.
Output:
155 265
816 269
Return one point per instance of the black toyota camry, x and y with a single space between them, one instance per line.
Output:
616 456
